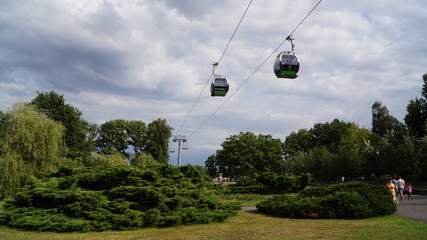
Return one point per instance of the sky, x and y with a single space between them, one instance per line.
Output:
144 60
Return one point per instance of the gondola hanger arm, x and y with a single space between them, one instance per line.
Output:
290 38
214 65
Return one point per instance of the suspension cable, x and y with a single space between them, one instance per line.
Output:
215 66
256 70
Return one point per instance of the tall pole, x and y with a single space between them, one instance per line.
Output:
179 139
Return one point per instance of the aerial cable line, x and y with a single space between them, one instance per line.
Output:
215 65
256 70
232 36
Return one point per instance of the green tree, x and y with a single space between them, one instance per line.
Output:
329 149
382 121
353 147
295 164
296 142
212 168
416 117
53 106
158 134
137 136
329 134
30 144
246 154
112 136
119 135
322 163
421 156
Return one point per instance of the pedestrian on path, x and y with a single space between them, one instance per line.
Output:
401 185
392 188
409 191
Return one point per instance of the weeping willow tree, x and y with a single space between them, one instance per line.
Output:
30 144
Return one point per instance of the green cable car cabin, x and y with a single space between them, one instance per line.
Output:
219 86
286 65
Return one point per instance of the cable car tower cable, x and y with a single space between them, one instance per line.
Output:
215 66
288 38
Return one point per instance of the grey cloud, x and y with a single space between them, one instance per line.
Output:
106 22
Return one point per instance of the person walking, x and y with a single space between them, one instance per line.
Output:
409 191
401 185
392 188
396 190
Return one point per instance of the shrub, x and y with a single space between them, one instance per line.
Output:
353 200
116 198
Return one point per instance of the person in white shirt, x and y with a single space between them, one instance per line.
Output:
401 185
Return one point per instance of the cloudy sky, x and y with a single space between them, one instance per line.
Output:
143 60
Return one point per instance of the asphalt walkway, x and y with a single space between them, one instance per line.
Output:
413 209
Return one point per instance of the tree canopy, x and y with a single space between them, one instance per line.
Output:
416 118
54 107
158 135
245 154
119 135
30 144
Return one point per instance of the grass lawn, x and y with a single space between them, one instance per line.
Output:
247 200
255 226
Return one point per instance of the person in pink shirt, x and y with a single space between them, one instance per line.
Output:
409 191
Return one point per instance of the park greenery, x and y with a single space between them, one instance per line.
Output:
353 200
117 198
61 173
46 133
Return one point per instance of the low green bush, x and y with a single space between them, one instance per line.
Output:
116 198
353 200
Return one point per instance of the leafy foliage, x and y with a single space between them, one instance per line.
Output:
116 198
30 144
104 160
352 200
382 122
113 137
53 106
329 150
143 161
268 183
246 154
158 135
118 135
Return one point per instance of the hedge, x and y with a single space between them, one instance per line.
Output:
354 200
117 198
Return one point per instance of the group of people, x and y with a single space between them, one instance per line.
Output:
397 188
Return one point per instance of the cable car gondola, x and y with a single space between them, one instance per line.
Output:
219 86
287 63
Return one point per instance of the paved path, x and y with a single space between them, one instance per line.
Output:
413 209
